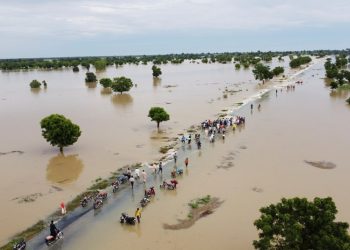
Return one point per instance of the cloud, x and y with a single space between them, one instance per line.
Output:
30 21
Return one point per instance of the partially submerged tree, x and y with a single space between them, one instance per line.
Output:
156 71
106 82
90 77
277 71
300 224
158 115
100 64
348 100
75 69
59 131
262 72
121 84
35 84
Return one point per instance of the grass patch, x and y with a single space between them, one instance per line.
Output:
27 234
165 149
344 87
99 185
200 201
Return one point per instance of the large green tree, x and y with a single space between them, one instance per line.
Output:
301 224
262 72
121 84
90 77
156 71
35 84
158 115
59 131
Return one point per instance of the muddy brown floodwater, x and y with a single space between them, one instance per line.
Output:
115 128
268 157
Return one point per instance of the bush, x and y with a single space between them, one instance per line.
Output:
75 69
90 77
348 100
35 84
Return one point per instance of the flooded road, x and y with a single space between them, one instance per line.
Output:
255 166
115 128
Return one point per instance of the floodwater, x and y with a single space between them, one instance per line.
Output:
267 158
115 128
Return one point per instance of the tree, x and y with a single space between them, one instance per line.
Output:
262 72
121 84
90 77
348 100
297 62
237 66
106 82
277 71
35 84
75 69
158 115
59 131
299 224
100 64
156 71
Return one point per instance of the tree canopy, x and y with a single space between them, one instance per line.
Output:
100 64
262 72
300 60
59 131
158 115
121 84
90 77
35 84
106 82
301 224
156 71
277 71
75 69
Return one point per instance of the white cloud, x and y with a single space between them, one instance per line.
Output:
72 18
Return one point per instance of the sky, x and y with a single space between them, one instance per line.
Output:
59 28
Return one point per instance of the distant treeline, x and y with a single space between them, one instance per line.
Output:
246 59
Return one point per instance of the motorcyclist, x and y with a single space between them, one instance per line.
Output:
53 229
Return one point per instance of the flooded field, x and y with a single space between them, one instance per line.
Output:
35 178
267 159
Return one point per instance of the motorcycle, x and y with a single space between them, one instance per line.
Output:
150 192
115 186
127 219
169 186
176 172
49 240
101 195
85 200
144 201
98 203
20 245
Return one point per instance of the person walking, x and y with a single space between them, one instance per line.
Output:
144 176
160 168
132 180
138 214
175 157
186 161
63 208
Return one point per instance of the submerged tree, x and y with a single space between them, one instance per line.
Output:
348 100
158 115
106 82
121 84
75 69
156 71
59 131
35 84
277 71
300 224
262 72
90 77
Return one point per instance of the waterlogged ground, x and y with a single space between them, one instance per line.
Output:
35 178
267 159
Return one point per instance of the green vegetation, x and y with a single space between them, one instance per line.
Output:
337 73
277 71
348 100
158 115
59 131
27 234
35 84
300 60
200 201
75 69
106 82
262 72
90 77
121 84
300 224
100 64
156 71
237 66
